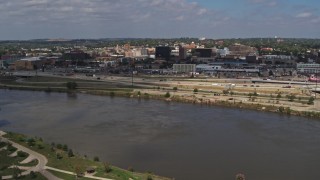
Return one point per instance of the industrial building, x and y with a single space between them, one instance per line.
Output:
31 63
310 68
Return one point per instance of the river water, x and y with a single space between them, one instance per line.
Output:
184 141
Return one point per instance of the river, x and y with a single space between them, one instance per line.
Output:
184 141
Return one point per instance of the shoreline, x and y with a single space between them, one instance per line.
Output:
133 93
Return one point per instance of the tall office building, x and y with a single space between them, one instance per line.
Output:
163 52
182 53
203 52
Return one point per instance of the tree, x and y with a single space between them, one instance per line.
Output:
107 167
59 146
195 90
175 88
65 147
311 101
70 153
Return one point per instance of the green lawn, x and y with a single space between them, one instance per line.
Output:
7 161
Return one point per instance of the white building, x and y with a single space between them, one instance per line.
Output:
184 68
309 68
223 52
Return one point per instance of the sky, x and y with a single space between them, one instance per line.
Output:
73 19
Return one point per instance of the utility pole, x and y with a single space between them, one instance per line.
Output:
132 78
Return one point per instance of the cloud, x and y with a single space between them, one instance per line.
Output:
264 2
304 15
148 18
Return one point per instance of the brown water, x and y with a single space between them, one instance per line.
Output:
188 142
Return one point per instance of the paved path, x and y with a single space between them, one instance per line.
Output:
42 160
72 173
41 167
29 159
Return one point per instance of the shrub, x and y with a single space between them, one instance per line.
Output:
31 142
112 94
40 146
59 156
96 158
175 88
22 139
149 177
195 90
139 93
10 148
22 154
291 97
167 95
281 109
279 96
2 144
288 110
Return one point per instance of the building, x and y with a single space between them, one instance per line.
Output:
207 68
203 52
76 55
242 50
29 63
308 68
163 52
279 60
223 52
184 68
252 59
182 53
8 60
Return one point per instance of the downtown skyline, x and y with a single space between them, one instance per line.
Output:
72 19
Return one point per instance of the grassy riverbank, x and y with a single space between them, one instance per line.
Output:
61 157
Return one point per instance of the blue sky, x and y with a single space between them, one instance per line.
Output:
33 19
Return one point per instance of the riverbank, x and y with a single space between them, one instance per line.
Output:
63 159
281 101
